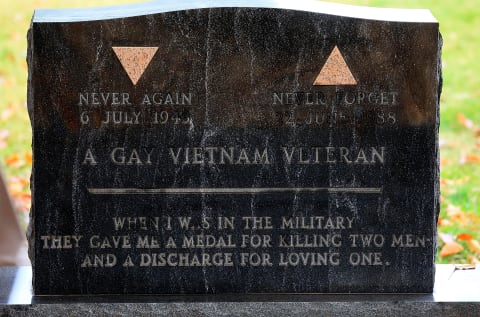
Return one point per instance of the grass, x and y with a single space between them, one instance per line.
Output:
459 24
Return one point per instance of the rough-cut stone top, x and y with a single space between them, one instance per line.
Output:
115 12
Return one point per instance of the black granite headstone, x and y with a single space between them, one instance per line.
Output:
236 148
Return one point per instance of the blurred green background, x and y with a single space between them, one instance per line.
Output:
459 223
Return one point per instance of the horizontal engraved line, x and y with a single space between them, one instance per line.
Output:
226 191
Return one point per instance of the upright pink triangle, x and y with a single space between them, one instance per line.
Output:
134 60
335 71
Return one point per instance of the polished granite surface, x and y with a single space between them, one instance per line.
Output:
254 150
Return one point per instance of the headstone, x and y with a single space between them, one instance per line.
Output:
242 147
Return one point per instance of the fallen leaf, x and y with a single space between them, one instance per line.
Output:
445 237
8 82
474 246
10 56
15 36
3 138
4 134
450 248
18 17
28 158
444 162
23 181
19 190
7 114
463 180
23 201
472 259
452 209
464 237
473 217
15 189
463 267
456 214
12 160
21 206
26 196
446 222
460 181
467 123
476 133
470 158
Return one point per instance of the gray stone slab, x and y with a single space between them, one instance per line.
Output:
456 293
380 309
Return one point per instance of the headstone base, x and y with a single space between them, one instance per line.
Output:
456 293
